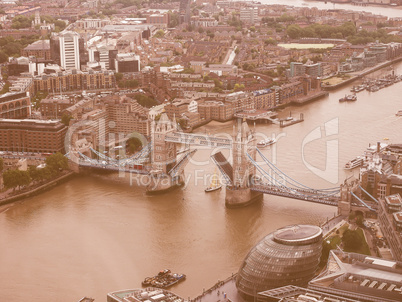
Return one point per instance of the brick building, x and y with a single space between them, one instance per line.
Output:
127 114
15 105
75 80
54 107
215 110
39 49
390 218
32 135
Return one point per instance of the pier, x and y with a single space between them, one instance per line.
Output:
285 122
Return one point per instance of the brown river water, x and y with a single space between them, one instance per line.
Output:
96 234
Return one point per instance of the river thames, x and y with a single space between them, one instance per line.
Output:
93 235
385 10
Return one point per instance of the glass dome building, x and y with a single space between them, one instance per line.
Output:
289 255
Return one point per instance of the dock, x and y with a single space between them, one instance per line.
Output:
222 291
284 123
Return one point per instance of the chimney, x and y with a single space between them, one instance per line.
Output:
378 147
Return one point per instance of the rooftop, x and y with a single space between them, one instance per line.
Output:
297 233
394 199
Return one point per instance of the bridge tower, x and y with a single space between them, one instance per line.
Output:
244 142
163 157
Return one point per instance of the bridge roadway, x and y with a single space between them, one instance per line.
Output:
198 140
306 195
113 167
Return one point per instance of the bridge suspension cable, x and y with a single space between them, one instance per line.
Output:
359 199
293 182
294 191
368 194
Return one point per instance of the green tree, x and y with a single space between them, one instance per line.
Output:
65 119
3 57
10 179
238 87
159 34
16 178
21 21
118 76
23 178
145 100
34 173
133 144
173 19
351 240
293 31
57 162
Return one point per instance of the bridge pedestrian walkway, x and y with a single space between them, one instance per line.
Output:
222 291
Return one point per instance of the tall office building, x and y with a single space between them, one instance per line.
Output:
69 50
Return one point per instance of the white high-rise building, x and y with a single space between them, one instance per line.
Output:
69 50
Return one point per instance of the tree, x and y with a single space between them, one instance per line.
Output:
65 119
57 162
3 57
1 164
238 87
293 31
351 240
118 76
133 144
16 178
145 100
34 173
159 34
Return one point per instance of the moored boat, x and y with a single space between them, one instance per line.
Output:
266 142
399 113
356 162
348 98
163 279
215 184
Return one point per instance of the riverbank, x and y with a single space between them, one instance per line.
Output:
32 191
361 74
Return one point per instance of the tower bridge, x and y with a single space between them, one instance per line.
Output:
246 179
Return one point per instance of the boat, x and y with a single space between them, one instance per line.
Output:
399 113
356 162
215 184
163 279
348 98
266 142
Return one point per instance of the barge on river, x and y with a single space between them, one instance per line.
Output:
163 279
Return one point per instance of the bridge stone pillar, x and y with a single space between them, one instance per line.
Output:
163 157
244 142
344 204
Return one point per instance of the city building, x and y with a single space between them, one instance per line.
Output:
39 49
300 69
143 295
69 50
15 105
127 114
53 107
91 23
28 135
291 293
360 277
264 99
127 62
288 256
240 101
249 15
71 80
215 110
390 219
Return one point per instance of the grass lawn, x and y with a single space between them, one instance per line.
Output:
335 80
